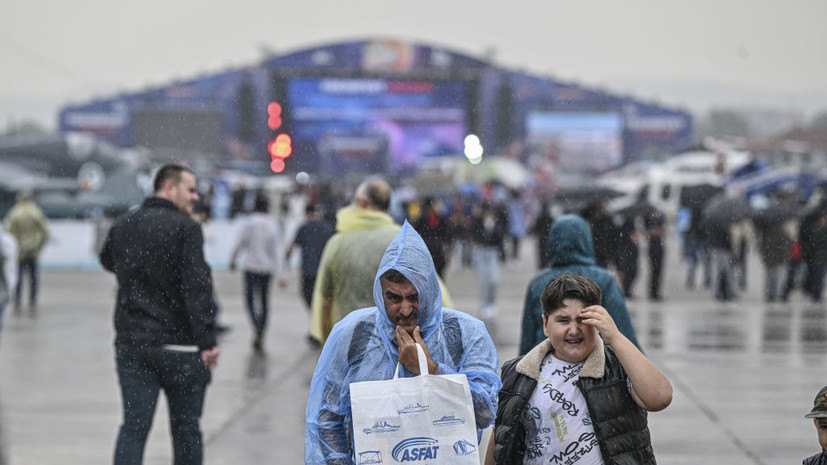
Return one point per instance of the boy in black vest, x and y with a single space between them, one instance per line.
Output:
576 396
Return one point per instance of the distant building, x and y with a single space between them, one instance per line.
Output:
383 106
802 148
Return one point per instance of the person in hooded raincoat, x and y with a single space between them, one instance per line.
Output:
571 251
350 258
365 346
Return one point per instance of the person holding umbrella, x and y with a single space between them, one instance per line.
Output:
813 236
627 249
693 199
719 216
775 230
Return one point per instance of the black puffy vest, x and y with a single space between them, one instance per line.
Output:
619 423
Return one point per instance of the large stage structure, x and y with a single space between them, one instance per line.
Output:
382 106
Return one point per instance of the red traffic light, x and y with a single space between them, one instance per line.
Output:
274 115
281 147
277 165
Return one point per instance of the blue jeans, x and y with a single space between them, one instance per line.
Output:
487 267
775 278
721 260
142 372
696 252
814 282
26 265
257 285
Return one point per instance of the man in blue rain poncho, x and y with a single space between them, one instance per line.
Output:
367 345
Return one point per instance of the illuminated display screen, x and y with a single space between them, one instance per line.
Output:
577 142
375 125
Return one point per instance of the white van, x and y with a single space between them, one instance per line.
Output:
663 181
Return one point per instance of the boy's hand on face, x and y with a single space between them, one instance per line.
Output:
598 317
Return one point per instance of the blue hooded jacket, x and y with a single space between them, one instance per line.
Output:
571 251
362 347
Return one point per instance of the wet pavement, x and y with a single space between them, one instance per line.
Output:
744 372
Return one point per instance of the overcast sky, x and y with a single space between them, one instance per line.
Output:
696 54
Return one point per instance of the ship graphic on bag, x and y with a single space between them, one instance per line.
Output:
413 408
448 420
381 427
433 414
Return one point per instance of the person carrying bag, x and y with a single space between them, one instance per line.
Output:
411 416
426 417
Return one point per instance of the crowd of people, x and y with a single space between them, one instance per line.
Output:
484 228
373 279
377 295
375 288
790 239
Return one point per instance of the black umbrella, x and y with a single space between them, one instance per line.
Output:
640 208
723 210
774 215
576 198
696 196
584 194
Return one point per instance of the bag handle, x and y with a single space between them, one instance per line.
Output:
423 362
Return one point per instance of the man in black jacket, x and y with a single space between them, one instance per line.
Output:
164 321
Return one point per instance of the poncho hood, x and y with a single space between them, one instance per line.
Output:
571 251
570 242
362 347
408 255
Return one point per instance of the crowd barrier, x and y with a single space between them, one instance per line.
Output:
75 244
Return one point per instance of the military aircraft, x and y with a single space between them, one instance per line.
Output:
72 176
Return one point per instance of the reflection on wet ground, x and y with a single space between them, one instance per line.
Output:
744 373
256 368
767 328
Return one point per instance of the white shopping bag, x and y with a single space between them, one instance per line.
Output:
427 419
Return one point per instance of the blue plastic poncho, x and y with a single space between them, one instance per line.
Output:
362 347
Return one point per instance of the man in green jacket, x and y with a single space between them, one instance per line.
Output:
27 224
571 251
344 281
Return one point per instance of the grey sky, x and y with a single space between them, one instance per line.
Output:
762 52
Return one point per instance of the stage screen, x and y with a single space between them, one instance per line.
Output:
576 142
375 125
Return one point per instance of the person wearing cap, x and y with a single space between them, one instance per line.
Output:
819 416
